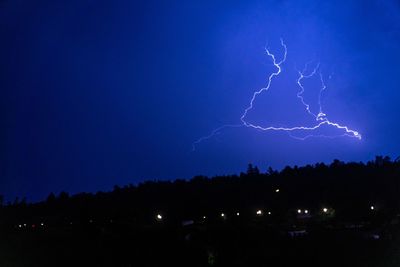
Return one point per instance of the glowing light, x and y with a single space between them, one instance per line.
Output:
298 211
269 213
372 207
277 190
41 224
204 217
159 217
325 210
20 226
306 211
237 213
259 212
222 215
320 117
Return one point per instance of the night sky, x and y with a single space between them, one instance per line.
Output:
98 93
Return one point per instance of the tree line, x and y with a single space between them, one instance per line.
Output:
350 189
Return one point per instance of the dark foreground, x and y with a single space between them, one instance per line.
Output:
218 244
342 214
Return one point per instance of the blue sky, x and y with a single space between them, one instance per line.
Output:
97 93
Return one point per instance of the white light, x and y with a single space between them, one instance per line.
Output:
325 210
20 226
277 190
159 217
25 224
204 217
372 207
237 213
42 224
306 211
298 211
222 214
269 213
259 212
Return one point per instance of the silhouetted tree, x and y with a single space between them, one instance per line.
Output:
51 198
63 196
252 170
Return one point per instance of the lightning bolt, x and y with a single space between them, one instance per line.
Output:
321 117
256 93
302 76
321 114
213 133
